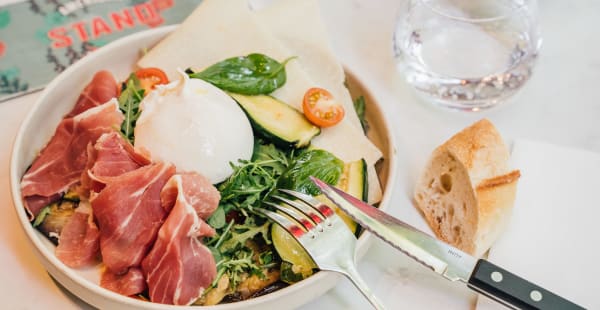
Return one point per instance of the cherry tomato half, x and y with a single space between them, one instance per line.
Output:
320 108
150 77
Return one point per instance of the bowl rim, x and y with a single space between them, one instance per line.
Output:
55 265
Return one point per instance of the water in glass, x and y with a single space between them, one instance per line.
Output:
467 55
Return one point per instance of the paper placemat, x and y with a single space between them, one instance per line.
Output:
41 38
553 238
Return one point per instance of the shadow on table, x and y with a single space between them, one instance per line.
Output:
76 300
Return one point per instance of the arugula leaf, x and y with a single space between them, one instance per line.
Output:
238 264
266 258
317 163
252 181
234 258
359 107
241 232
255 74
129 103
217 219
249 185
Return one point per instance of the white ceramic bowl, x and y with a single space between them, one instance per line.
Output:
59 97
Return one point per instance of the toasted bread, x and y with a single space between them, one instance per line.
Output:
467 191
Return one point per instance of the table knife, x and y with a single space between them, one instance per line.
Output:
480 275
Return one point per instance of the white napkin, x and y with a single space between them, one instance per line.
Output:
553 238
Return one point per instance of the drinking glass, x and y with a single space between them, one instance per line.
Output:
467 54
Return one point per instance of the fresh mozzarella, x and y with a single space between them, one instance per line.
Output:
195 126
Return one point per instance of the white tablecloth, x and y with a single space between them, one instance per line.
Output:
560 105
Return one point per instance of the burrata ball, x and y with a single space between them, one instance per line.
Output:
196 126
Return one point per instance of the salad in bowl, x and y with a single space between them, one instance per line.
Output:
136 183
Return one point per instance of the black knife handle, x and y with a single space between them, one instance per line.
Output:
514 291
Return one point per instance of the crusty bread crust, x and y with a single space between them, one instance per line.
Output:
467 191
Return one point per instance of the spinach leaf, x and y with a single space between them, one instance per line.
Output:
129 103
359 107
317 163
255 74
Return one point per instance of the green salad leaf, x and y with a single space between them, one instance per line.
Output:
254 74
288 275
235 245
252 181
129 103
250 184
232 254
242 232
217 219
317 163
359 107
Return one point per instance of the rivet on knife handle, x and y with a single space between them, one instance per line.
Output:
514 291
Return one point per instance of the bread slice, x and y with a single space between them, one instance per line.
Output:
467 191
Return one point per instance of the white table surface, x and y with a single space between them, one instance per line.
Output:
560 105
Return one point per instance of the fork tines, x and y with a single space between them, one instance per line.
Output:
301 216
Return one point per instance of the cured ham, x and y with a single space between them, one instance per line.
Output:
78 244
101 89
129 213
111 156
35 203
179 267
63 159
130 283
198 191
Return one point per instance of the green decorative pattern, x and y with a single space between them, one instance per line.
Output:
4 18
10 82
41 38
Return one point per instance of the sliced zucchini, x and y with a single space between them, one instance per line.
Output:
297 264
354 179
53 218
290 251
354 182
277 121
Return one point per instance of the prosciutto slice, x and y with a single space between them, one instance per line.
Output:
63 159
78 244
129 213
130 283
198 191
179 267
101 88
111 156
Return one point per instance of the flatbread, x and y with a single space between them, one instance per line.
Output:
287 21
298 25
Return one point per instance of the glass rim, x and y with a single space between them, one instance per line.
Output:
522 4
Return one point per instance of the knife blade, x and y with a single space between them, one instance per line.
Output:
479 275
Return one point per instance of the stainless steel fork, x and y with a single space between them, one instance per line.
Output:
323 234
